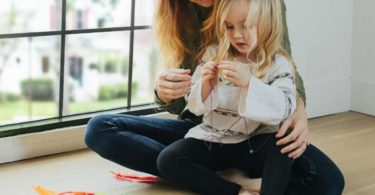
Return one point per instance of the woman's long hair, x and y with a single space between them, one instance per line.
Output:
266 14
172 21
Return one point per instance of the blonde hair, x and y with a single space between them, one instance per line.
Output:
172 22
267 14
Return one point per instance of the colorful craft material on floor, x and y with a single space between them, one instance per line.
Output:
42 191
120 176
124 177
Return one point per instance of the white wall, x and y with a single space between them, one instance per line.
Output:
321 35
363 57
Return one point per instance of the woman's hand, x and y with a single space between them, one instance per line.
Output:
172 84
235 72
297 140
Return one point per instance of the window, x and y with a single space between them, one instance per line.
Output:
64 59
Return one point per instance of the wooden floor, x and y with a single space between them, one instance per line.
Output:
348 138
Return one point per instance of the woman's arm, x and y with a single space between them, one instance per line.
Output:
170 88
298 138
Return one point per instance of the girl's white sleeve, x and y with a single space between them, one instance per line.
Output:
271 101
194 97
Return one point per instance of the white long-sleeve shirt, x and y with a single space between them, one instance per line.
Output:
231 114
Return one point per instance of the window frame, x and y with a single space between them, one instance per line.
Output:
82 118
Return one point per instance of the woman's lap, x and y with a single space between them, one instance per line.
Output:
133 141
315 173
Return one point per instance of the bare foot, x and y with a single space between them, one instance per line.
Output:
247 192
240 178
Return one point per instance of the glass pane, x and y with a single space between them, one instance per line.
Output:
29 16
144 12
85 14
96 72
146 64
29 78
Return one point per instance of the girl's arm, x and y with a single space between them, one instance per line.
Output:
209 75
203 97
206 89
271 101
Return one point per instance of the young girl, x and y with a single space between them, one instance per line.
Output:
246 80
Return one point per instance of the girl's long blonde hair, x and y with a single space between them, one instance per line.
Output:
172 22
266 14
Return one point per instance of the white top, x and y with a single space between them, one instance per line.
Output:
231 114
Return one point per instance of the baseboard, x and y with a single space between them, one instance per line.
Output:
363 96
40 144
328 97
46 143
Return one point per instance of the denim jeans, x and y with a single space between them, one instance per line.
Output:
194 163
315 173
135 142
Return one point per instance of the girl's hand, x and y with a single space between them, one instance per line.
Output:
235 72
297 140
210 77
209 73
172 84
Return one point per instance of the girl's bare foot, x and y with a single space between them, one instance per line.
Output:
247 192
240 178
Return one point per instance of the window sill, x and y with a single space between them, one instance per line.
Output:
69 121
49 142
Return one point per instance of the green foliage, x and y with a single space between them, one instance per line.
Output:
112 63
37 89
9 97
110 66
110 92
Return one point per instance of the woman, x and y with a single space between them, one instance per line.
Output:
135 141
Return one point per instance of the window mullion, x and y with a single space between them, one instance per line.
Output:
62 59
131 51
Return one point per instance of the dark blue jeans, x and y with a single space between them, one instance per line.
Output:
194 164
135 142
